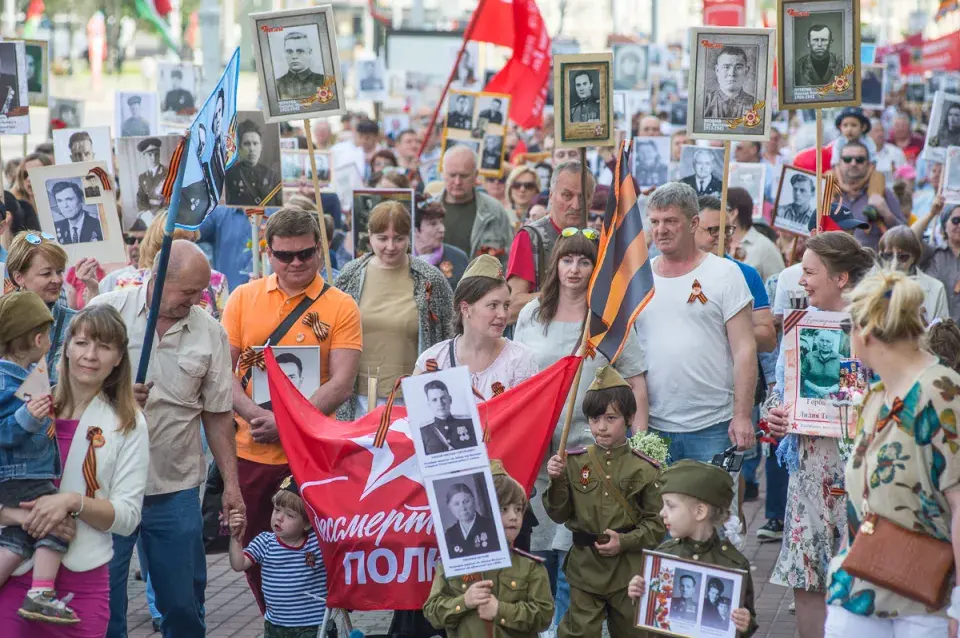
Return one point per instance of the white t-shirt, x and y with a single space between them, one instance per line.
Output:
889 158
690 376
787 282
515 363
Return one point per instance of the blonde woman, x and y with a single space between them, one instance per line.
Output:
523 186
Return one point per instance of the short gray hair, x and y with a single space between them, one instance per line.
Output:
174 266
575 167
460 149
675 195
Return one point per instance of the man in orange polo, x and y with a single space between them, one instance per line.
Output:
275 308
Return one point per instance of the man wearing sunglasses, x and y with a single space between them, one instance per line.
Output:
881 212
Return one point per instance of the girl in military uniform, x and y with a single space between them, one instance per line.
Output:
696 497
506 603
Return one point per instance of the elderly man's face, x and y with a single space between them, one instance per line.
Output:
459 175
68 203
250 148
731 72
819 43
824 343
81 151
649 127
182 292
583 86
566 199
802 194
440 402
703 165
297 52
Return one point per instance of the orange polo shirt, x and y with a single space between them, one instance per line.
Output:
254 311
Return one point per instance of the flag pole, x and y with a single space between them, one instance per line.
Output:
583 186
453 74
819 166
723 198
316 191
574 389
158 278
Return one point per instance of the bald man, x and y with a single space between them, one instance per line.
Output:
189 380
475 223
650 127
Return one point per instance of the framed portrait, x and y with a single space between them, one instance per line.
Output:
371 79
795 208
144 165
297 173
753 179
442 412
701 167
583 100
65 113
300 364
478 121
620 120
951 176
678 112
14 97
730 85
873 89
364 201
75 204
818 53
651 161
392 124
92 144
915 93
136 114
178 85
944 128
253 181
38 72
298 63
687 598
466 518
817 349
630 66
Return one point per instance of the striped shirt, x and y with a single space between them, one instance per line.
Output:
294 580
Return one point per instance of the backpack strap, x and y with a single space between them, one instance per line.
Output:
536 236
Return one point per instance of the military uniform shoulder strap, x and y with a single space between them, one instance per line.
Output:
646 458
532 557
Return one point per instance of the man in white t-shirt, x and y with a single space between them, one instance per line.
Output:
697 334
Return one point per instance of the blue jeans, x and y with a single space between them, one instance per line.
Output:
777 480
701 445
148 590
171 528
558 581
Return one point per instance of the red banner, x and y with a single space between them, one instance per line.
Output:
942 54
724 13
369 507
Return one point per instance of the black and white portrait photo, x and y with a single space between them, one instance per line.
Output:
298 63
951 176
450 142
75 223
392 124
447 431
796 204
144 164
717 603
83 145
300 364
701 168
686 596
14 98
65 113
629 66
460 111
944 127
492 156
371 80
253 180
584 104
873 86
730 83
819 53
753 179
177 86
493 110
651 161
38 73
136 114
915 93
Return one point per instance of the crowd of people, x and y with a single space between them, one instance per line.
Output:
493 274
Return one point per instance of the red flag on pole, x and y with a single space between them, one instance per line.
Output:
368 504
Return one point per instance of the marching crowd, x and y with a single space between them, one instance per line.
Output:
499 284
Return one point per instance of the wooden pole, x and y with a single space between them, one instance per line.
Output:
316 191
583 187
572 398
254 246
723 199
819 166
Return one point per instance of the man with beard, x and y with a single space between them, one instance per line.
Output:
802 209
586 108
729 100
78 224
81 147
150 182
300 81
651 170
949 133
702 179
248 182
818 67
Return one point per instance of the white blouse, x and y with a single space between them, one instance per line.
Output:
515 364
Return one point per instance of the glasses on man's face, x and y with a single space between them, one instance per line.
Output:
130 240
898 257
527 186
955 221
856 159
37 239
590 233
287 256
728 231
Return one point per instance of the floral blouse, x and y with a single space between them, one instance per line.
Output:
214 298
907 467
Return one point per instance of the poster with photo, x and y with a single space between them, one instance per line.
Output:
630 66
795 208
252 181
392 124
136 113
731 83
371 79
814 345
583 100
75 204
38 72
14 96
364 201
300 364
478 121
688 598
620 119
818 57
92 144
678 112
915 93
951 176
753 179
944 128
298 63
144 165
65 113
873 90
651 161
298 173
178 85
701 168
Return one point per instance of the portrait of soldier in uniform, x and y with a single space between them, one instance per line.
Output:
446 432
177 99
150 182
461 117
729 100
135 125
249 181
819 66
300 80
683 606
585 105
803 206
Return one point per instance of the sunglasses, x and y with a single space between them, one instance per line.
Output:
714 231
130 240
859 159
527 186
36 239
898 257
595 217
287 256
590 233
498 180
955 221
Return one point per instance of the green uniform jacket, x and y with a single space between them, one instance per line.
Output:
581 501
716 551
522 590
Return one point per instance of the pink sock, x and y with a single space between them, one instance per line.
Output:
42 584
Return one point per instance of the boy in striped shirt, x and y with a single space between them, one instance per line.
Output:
294 579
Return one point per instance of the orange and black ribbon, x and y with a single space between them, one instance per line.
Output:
384 426
320 329
894 415
250 358
95 439
694 296
173 170
431 315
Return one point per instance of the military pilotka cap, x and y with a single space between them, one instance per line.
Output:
484 266
607 377
134 100
149 144
21 312
700 480
497 469
290 485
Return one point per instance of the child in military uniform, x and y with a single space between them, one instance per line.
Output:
606 494
512 602
696 497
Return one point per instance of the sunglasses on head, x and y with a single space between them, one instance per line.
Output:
528 186
859 159
37 239
590 233
287 256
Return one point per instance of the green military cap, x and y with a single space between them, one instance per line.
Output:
21 312
607 377
497 469
700 480
484 266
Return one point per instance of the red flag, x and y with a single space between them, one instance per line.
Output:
492 22
526 73
724 13
520 149
369 507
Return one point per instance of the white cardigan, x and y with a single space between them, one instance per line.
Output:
122 464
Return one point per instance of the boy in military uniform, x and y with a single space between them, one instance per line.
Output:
606 495
506 603
696 498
